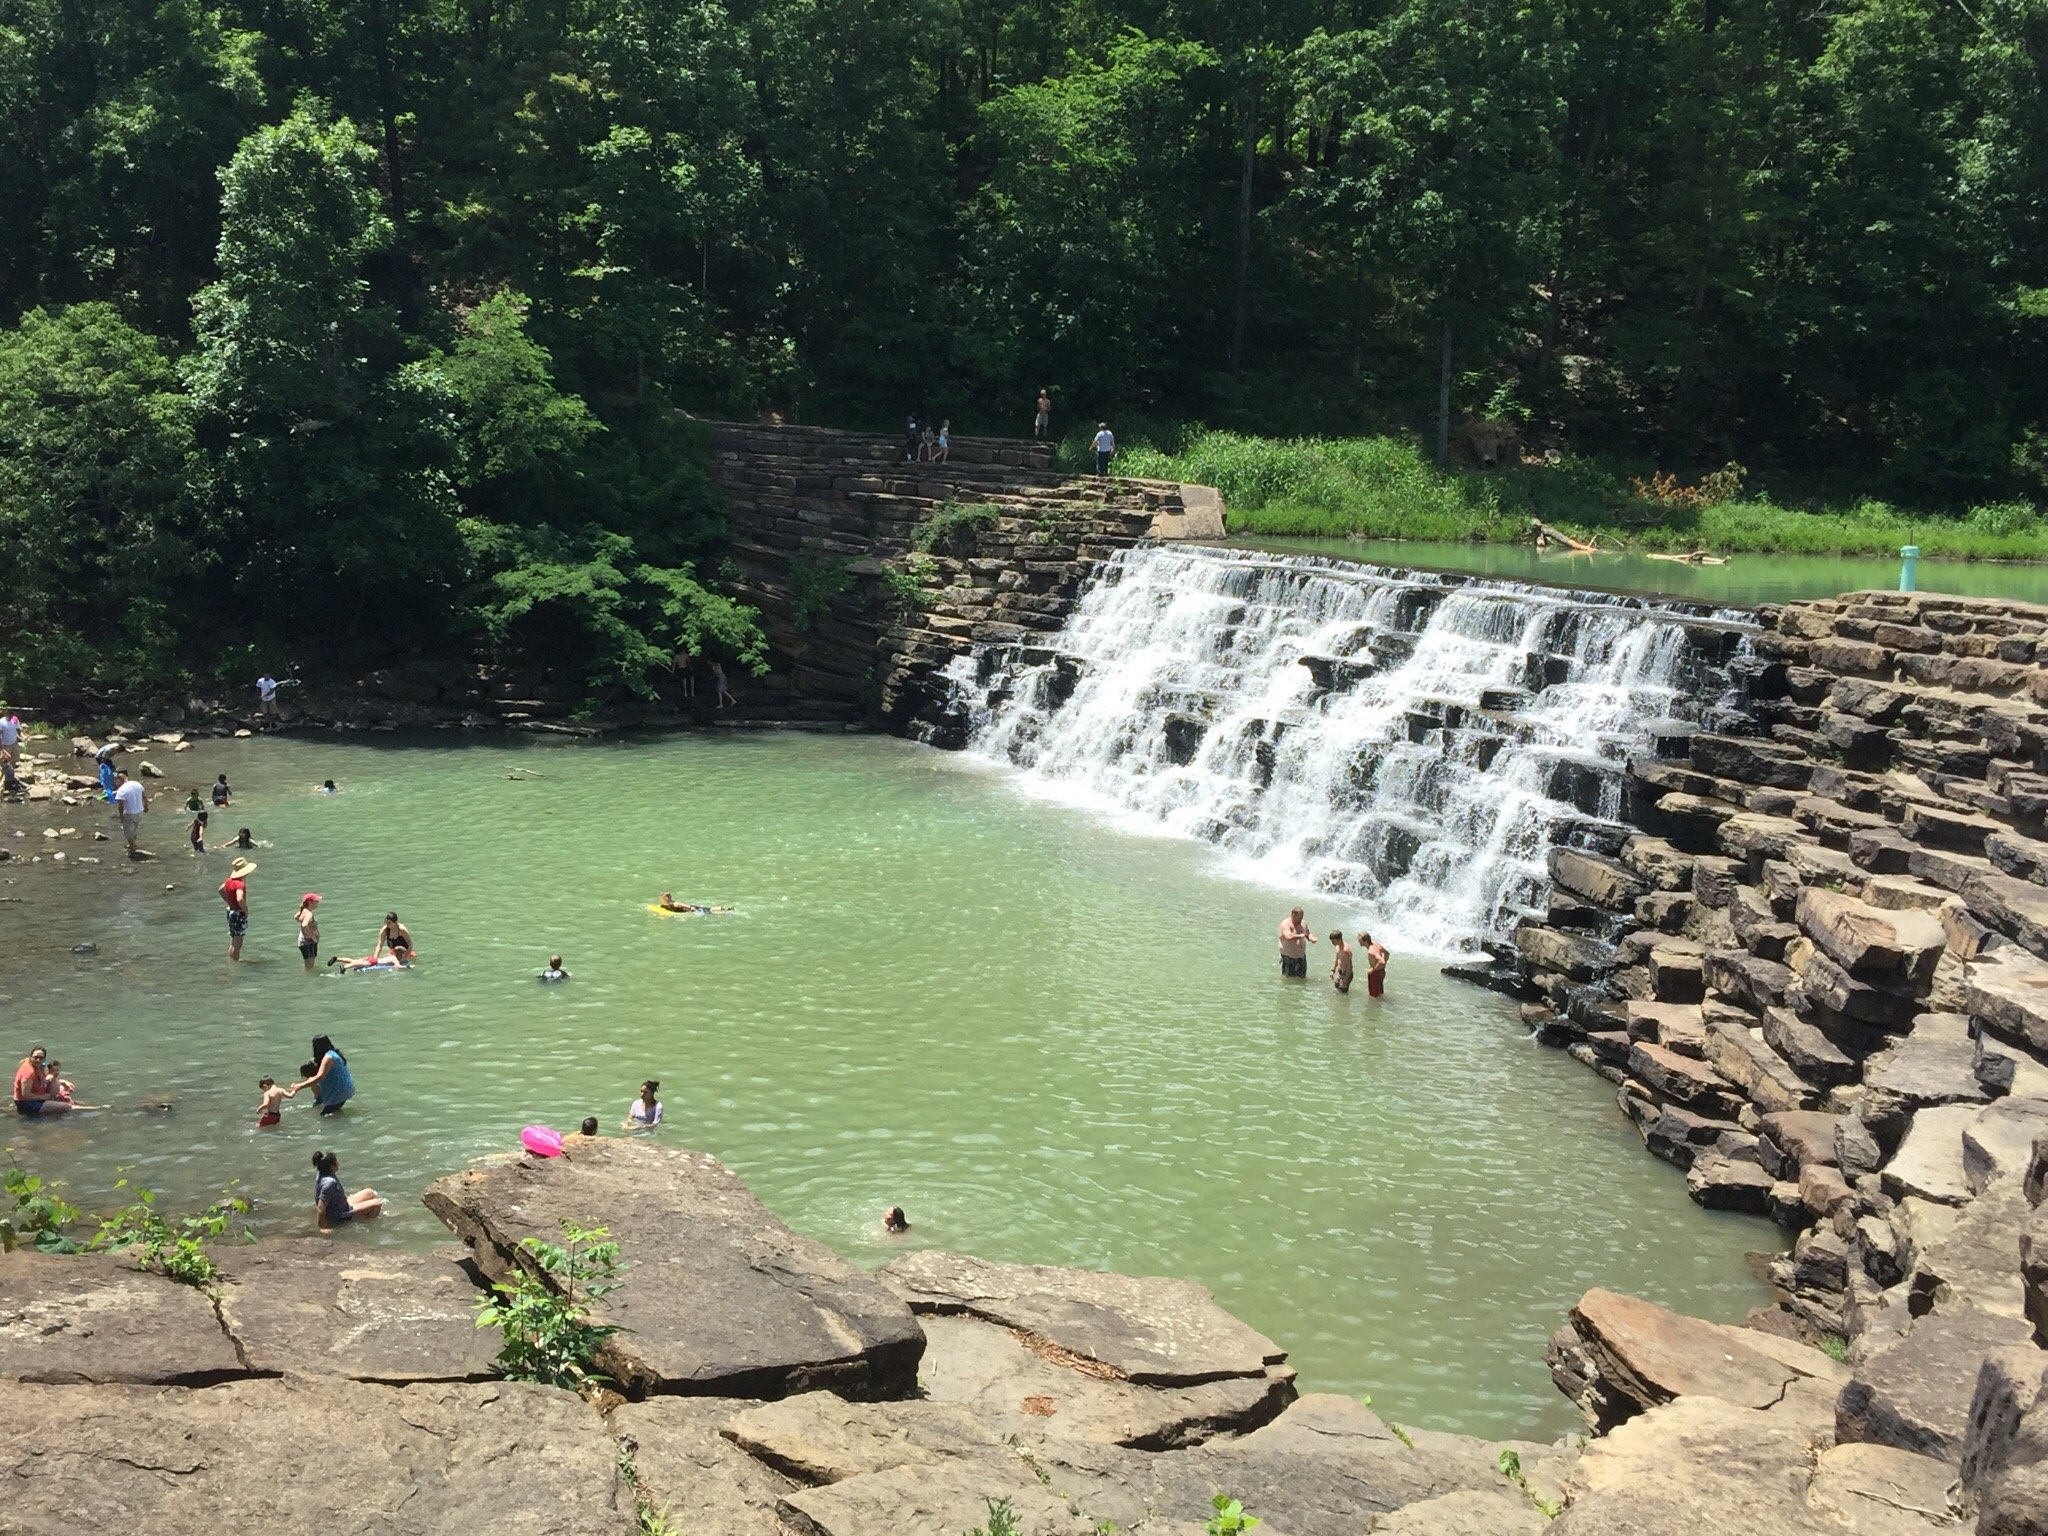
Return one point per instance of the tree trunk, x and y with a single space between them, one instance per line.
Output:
1240 310
1443 397
387 109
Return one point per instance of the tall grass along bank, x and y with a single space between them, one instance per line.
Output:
1384 488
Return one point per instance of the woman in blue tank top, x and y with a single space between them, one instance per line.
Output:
329 1077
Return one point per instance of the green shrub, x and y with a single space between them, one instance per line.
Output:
815 579
1230 1518
905 584
1002 1520
34 1217
549 1336
953 528
173 1248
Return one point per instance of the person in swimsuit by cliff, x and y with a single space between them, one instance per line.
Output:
1340 961
334 1206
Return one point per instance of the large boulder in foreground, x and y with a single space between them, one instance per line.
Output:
309 1454
1621 1355
1154 1331
95 1317
719 1297
377 1314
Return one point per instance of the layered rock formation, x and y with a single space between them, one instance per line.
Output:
323 1384
826 528
1817 973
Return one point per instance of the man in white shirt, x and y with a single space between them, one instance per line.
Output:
10 735
266 692
1105 445
129 806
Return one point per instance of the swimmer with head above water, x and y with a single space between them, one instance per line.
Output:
554 972
690 908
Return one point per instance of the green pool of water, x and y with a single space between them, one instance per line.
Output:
1048 1040
1744 582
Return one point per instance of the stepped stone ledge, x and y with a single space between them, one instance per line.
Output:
1867 887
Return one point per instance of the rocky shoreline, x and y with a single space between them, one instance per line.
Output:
1818 977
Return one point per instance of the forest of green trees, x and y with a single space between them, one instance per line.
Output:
367 325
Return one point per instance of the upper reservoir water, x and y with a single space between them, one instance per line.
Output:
1746 580
1015 998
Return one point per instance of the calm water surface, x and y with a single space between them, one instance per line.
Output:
1745 581
1049 1040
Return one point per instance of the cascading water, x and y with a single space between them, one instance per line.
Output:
1412 744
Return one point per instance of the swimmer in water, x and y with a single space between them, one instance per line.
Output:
690 908
554 972
326 787
270 1111
894 1222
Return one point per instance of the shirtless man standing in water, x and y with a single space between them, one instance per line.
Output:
1294 942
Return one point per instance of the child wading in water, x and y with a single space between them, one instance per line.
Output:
1340 962
270 1111
198 832
1375 965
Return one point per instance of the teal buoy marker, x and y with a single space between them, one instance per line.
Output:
1909 563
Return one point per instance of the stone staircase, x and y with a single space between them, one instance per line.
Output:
838 512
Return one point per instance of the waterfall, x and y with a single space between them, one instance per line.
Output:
1411 744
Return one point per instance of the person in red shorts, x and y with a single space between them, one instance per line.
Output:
1375 965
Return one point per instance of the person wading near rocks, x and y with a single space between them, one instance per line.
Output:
1340 961
10 736
1041 422
35 1091
128 808
1105 448
1375 965
309 929
327 1074
1294 942
644 1113
333 1205
235 892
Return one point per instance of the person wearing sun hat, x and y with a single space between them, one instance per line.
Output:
309 929
235 892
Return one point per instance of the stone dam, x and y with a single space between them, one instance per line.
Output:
1781 876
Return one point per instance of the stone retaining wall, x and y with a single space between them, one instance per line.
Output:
1818 977
824 533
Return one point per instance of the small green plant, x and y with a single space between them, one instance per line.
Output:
1002 1520
1509 1465
1230 1518
814 581
174 1248
34 1217
952 529
905 584
545 1318
1835 1347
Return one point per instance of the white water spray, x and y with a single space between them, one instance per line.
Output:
1407 743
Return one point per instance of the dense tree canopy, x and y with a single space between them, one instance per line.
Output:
380 314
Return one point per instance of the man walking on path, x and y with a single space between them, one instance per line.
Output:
1375 965
1105 447
235 892
128 807
1294 942
1041 423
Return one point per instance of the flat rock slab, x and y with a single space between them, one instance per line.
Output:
818 1437
1975 1261
1876 1490
1701 1466
719 1297
690 1471
1467 1513
94 1317
1151 1330
1011 1378
308 1454
2001 1140
1067 1486
312 1305
1645 1355
1915 1393
1929 1162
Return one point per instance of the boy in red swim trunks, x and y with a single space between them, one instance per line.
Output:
1375 965
268 1113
